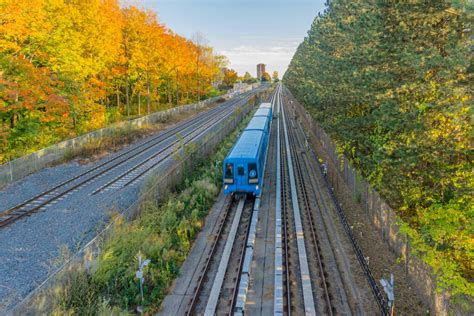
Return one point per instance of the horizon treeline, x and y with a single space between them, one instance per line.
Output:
391 82
68 67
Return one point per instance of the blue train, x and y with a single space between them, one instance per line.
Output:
243 166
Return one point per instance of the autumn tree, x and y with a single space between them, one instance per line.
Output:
266 77
230 77
70 66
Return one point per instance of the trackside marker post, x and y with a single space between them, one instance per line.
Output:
388 287
139 275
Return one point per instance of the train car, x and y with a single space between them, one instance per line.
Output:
263 112
243 166
260 123
266 105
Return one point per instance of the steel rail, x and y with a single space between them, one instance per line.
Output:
305 277
198 288
379 296
160 137
285 232
240 298
314 235
210 122
224 260
235 290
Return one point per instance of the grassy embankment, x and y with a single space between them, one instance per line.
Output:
164 233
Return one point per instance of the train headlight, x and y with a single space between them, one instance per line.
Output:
256 187
225 187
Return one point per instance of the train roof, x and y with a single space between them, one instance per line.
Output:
262 112
247 145
265 105
257 123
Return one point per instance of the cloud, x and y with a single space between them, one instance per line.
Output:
246 57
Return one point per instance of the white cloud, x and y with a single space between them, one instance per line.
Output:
245 57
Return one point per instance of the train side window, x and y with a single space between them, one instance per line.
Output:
253 173
240 171
229 173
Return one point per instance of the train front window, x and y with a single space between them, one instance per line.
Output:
253 174
240 171
229 173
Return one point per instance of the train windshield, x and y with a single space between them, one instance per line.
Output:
229 173
253 174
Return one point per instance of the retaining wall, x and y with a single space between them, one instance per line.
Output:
23 166
39 301
383 218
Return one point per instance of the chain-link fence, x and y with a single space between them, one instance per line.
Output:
180 163
21 167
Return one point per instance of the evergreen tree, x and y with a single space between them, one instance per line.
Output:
392 84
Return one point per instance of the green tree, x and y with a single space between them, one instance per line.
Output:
275 76
390 83
247 78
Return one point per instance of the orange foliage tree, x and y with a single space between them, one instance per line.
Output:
71 66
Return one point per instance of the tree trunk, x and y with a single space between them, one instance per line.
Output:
139 112
127 98
13 119
117 93
177 92
169 94
148 101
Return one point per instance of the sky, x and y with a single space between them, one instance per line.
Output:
247 32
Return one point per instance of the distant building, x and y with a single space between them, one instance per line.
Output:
260 71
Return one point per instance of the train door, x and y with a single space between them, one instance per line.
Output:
241 178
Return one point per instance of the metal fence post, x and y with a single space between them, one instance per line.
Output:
11 171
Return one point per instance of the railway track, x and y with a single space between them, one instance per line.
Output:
282 288
337 298
222 283
303 289
192 128
217 285
320 268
